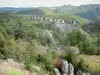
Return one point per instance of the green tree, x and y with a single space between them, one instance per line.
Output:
18 32
77 36
2 43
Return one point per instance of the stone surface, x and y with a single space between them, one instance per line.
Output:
79 72
56 71
36 68
70 69
64 66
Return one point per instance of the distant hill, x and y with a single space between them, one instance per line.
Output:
84 11
32 11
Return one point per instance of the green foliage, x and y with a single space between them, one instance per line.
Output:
77 36
84 46
93 50
2 44
27 49
3 31
34 11
81 65
47 60
69 56
84 11
70 17
20 20
46 37
72 58
18 32
12 71
58 37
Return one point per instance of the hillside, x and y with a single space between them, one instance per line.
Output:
84 11
49 40
93 27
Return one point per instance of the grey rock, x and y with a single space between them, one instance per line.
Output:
56 71
79 72
36 68
64 66
70 69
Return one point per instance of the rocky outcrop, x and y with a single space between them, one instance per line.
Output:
56 71
70 69
65 68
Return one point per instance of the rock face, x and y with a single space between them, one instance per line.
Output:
70 69
56 71
79 72
66 69
67 27
64 66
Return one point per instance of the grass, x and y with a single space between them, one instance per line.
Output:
12 71
93 62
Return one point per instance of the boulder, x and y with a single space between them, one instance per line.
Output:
56 71
36 68
79 72
64 66
70 69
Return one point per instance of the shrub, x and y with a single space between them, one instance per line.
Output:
69 56
28 64
2 44
81 66
47 60
2 40
92 50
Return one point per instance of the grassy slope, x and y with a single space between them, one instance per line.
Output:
93 61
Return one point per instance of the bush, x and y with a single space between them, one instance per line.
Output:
81 66
93 50
69 56
77 36
2 40
2 44
28 64
47 60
